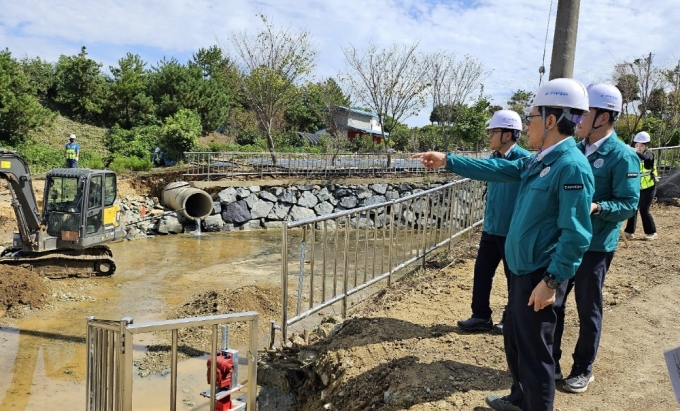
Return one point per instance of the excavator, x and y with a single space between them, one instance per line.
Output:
79 215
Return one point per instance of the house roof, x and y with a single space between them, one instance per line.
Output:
367 131
313 138
357 111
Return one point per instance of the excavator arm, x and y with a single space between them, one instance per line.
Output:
14 169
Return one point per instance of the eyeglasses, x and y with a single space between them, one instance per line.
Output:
528 117
492 132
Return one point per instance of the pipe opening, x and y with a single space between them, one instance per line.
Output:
198 205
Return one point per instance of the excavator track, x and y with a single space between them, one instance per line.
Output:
90 262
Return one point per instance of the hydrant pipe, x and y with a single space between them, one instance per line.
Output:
194 203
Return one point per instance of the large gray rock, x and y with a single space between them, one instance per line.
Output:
251 225
391 195
349 202
379 188
266 195
324 208
301 213
261 209
169 224
323 194
251 200
217 207
236 213
373 200
364 194
254 189
227 196
242 192
287 196
307 199
278 212
213 223
342 192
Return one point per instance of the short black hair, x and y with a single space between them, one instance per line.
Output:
564 126
515 134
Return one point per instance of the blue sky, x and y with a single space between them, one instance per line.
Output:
506 35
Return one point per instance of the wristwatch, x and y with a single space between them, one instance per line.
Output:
598 210
550 281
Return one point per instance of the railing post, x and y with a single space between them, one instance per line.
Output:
345 277
284 282
252 366
126 344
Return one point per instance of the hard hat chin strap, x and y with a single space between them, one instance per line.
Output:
592 127
545 130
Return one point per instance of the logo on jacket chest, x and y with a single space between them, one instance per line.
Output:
545 172
598 163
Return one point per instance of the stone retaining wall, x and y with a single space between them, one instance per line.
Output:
262 207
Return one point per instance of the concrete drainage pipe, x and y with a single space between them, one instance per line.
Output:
193 202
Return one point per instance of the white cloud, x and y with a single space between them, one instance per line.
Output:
507 36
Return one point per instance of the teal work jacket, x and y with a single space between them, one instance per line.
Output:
500 200
550 225
616 168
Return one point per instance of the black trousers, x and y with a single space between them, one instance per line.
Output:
528 338
587 285
646 197
491 253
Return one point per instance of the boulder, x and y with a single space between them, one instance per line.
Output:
236 212
307 199
261 209
213 223
227 196
301 213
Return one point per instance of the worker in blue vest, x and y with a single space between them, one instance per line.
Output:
648 177
504 130
617 191
549 231
72 152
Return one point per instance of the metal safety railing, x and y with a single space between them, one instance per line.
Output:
110 349
230 164
667 158
332 257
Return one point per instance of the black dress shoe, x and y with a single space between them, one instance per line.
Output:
499 327
476 324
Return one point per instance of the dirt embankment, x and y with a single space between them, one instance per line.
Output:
401 350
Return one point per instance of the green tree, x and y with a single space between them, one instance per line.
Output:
129 105
310 113
41 77
80 88
471 125
180 133
272 62
520 101
20 110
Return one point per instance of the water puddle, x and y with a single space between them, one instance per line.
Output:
43 359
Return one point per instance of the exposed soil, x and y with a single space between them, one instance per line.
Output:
197 341
401 349
21 289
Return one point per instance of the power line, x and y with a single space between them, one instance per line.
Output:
541 70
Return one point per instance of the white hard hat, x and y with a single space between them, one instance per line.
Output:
563 93
505 119
72 136
157 150
642 137
605 96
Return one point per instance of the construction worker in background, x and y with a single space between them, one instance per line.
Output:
504 130
549 231
72 152
158 159
617 191
648 176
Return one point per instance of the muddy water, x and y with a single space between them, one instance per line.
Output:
43 359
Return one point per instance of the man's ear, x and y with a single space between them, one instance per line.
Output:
550 122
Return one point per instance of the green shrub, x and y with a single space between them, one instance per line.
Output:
90 160
122 164
41 157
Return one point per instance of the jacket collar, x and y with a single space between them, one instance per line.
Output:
606 146
559 150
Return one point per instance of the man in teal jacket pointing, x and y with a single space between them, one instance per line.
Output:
504 130
617 192
549 232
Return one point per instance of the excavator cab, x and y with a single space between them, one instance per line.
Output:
79 209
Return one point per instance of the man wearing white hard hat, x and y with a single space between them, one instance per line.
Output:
504 130
549 232
617 191
72 152
648 176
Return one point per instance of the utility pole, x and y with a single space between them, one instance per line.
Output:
564 41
